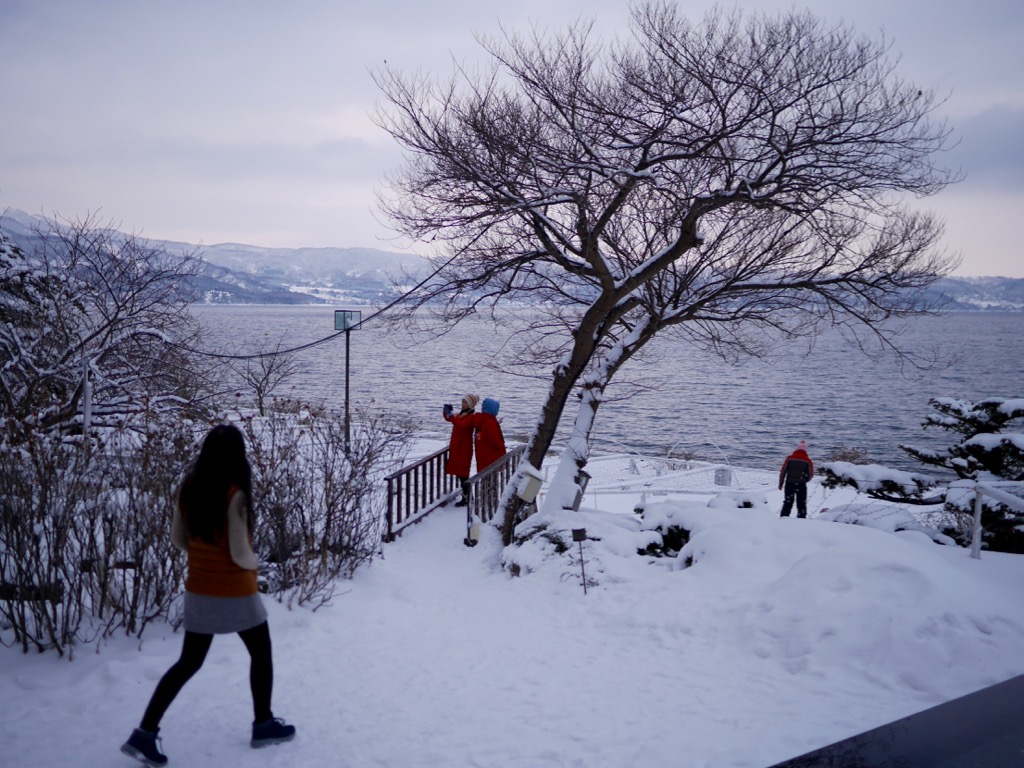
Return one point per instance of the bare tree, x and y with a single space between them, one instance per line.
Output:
266 371
92 314
736 181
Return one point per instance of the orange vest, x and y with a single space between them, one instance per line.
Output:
211 571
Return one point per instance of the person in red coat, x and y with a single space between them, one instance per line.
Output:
489 441
796 472
460 446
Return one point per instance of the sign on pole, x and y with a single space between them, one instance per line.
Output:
346 319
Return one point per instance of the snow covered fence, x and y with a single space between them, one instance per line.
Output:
416 490
994 489
419 488
629 473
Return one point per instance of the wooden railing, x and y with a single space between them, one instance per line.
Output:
418 489
485 488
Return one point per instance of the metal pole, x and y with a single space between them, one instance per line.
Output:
347 357
580 535
583 571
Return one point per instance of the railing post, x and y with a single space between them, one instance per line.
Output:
389 535
976 534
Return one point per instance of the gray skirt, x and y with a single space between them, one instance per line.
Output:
208 615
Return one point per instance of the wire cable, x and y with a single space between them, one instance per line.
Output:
325 339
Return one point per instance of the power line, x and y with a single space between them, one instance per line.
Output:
325 339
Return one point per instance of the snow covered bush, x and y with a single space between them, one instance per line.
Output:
879 481
92 322
672 537
135 572
884 516
987 451
545 544
42 491
85 546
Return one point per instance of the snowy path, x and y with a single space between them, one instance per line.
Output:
434 658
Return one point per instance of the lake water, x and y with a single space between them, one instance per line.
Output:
750 414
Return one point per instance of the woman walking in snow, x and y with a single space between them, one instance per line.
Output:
460 446
797 470
213 524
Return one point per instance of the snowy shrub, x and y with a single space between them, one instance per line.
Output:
41 491
538 538
988 449
660 519
93 321
85 548
318 501
544 544
891 518
87 526
877 480
739 500
135 572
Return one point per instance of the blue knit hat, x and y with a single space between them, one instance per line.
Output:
490 406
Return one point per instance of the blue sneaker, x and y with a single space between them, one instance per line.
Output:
273 731
142 745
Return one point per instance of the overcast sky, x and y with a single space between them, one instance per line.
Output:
249 121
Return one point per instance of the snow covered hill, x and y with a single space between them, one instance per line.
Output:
250 274
235 273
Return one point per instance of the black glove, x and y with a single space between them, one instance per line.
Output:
448 409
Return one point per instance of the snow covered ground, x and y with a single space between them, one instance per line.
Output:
783 635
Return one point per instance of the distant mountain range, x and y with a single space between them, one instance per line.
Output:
248 274
999 294
233 273
236 273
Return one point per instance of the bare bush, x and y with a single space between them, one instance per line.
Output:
85 546
850 454
319 505
265 372
136 573
41 590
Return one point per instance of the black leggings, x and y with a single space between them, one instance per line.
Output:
193 654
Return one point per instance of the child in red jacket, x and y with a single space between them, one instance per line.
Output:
797 470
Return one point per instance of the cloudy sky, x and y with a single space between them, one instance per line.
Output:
249 121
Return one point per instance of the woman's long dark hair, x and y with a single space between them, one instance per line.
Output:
204 493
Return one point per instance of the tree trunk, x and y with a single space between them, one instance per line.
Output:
565 377
591 397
